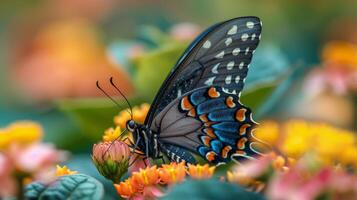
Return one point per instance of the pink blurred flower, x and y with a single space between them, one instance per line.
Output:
36 157
323 79
300 183
138 163
7 183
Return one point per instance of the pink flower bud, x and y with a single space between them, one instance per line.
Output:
111 159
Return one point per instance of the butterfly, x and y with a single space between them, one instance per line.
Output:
197 110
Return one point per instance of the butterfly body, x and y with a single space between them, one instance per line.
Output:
198 109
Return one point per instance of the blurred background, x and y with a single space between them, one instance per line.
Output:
52 53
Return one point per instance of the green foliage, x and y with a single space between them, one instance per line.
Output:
93 116
152 68
210 189
76 186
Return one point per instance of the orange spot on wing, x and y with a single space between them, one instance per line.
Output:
229 102
239 152
211 156
240 114
209 132
206 140
192 113
212 92
208 124
241 143
185 103
203 118
225 151
243 129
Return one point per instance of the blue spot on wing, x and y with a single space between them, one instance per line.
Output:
227 137
198 97
203 150
227 126
222 115
211 105
216 146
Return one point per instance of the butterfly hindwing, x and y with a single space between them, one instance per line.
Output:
220 56
209 122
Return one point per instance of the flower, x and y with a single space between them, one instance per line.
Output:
61 171
139 115
341 53
200 171
36 157
15 134
172 173
111 134
126 189
145 177
111 159
268 132
299 137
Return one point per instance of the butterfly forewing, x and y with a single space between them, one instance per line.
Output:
220 56
197 109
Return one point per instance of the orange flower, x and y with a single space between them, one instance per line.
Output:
172 173
145 177
126 189
200 171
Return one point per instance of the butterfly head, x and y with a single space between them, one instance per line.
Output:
131 125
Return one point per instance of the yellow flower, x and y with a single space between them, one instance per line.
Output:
340 53
111 134
328 144
172 173
61 171
268 132
22 132
139 115
201 171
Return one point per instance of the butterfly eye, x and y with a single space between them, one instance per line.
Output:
131 125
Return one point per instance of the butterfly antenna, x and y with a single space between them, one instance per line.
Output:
106 94
127 101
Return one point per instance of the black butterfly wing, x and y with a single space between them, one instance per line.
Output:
218 59
207 121
220 56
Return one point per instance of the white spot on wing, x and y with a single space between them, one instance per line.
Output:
253 36
210 81
244 37
236 51
247 51
226 90
233 30
215 68
260 36
220 55
207 44
228 79
250 24
228 41
237 79
241 65
230 65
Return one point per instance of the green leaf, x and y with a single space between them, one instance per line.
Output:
210 189
76 186
152 68
93 116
